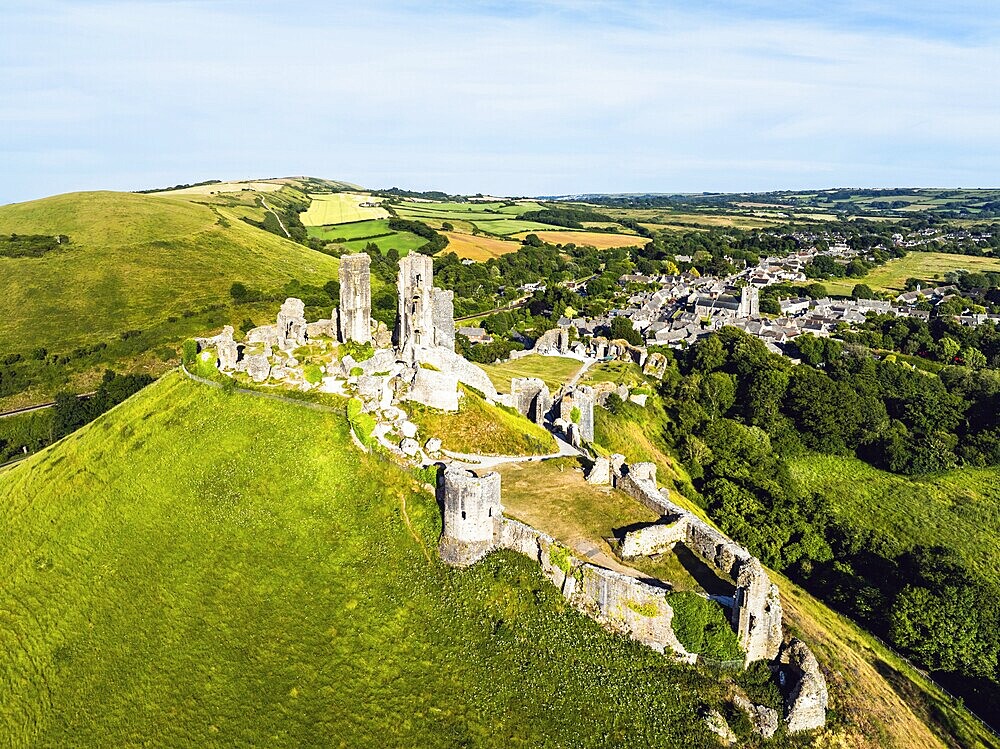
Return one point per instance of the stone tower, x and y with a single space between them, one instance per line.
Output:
749 302
415 318
472 515
581 397
355 310
291 324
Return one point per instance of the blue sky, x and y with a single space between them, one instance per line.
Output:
520 98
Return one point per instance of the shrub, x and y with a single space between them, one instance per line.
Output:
189 351
702 628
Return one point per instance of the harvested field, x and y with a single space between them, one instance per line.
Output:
478 248
595 239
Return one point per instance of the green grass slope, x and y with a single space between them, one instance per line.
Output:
203 569
133 262
483 429
959 509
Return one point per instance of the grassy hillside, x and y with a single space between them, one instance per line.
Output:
959 509
147 263
203 569
481 428
132 260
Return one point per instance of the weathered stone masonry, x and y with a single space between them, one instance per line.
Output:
355 309
474 525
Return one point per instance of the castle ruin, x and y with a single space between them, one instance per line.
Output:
472 515
530 396
292 324
425 314
355 309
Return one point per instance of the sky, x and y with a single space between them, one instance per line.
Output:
505 98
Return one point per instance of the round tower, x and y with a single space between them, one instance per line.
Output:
472 515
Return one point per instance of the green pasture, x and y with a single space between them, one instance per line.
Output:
930 267
959 509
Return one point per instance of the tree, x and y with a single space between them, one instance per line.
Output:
622 328
708 354
862 291
949 349
816 291
973 357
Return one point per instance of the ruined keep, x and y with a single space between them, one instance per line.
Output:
582 399
291 324
415 311
355 309
530 396
472 515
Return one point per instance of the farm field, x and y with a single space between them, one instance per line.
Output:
478 248
360 233
959 509
498 219
927 266
201 569
339 208
554 370
600 240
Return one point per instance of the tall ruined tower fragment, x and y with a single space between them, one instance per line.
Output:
415 318
355 298
426 316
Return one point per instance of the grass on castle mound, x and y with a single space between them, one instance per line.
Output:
482 429
554 370
203 569
959 509
133 262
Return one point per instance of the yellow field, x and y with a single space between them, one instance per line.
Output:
592 238
224 187
478 248
340 208
929 266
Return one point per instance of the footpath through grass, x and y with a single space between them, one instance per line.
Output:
203 569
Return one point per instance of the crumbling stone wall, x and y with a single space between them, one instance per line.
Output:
757 612
435 389
653 539
355 309
530 396
465 371
443 317
807 701
580 397
291 324
622 603
472 515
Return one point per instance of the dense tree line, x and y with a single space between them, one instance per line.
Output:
571 218
736 412
435 240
